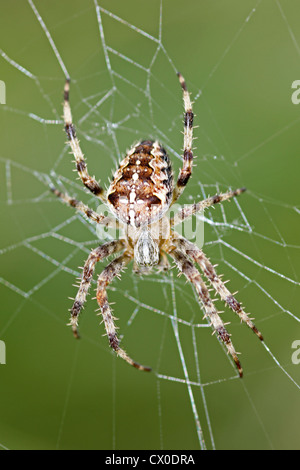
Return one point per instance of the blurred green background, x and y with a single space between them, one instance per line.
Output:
239 60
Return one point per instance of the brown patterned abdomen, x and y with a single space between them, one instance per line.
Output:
142 187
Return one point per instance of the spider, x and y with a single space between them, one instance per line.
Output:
139 197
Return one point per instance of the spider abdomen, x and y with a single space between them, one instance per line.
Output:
141 190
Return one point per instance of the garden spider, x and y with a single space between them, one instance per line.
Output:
139 197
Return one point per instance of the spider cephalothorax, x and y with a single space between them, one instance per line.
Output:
139 197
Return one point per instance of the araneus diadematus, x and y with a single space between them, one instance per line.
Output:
139 197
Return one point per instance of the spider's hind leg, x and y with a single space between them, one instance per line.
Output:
89 182
186 170
84 209
190 209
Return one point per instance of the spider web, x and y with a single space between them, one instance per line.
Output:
122 63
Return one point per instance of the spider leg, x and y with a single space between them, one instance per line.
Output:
192 274
88 181
186 170
191 209
105 278
84 209
95 256
163 264
209 271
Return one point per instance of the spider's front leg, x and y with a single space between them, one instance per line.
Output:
193 275
89 182
209 271
105 278
95 256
